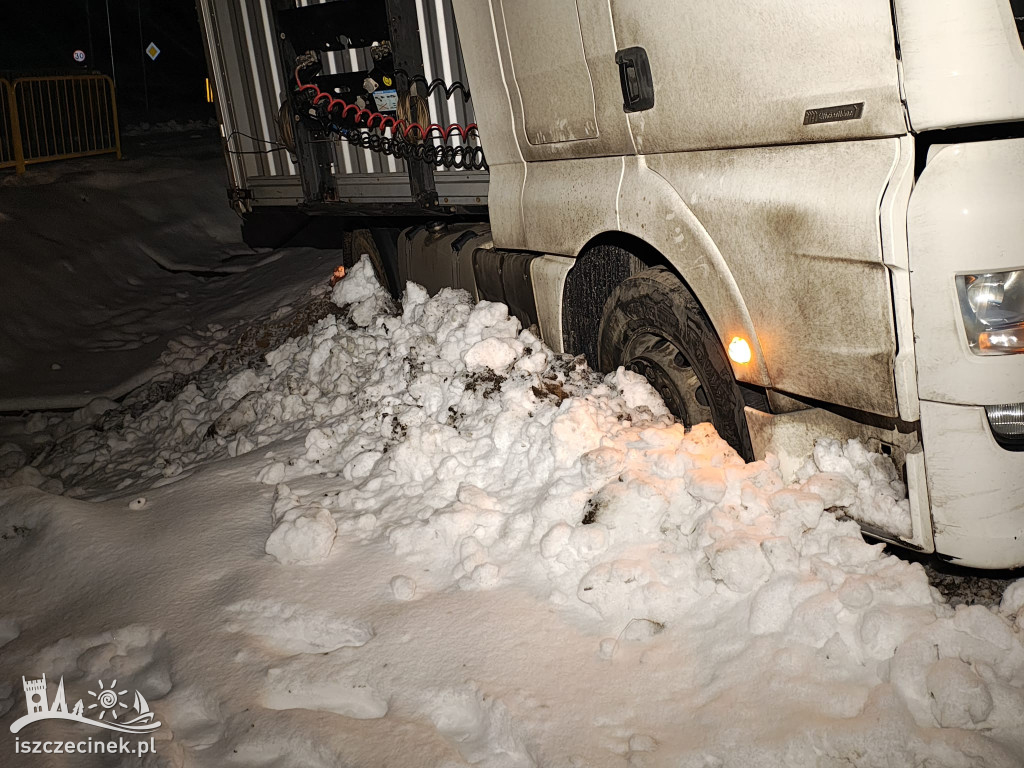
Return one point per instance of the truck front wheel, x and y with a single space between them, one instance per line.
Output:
654 326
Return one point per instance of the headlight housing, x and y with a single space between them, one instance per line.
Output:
992 305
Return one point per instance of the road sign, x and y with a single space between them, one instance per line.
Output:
79 56
152 51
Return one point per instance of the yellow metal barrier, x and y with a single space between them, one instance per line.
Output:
52 118
10 136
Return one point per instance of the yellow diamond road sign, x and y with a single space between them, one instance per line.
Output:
152 51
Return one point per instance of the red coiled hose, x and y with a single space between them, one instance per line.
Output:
386 122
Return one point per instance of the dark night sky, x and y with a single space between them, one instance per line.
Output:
40 38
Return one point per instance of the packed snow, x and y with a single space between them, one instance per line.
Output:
107 262
864 485
417 536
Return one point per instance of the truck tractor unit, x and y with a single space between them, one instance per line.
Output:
796 218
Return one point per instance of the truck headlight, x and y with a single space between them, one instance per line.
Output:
992 305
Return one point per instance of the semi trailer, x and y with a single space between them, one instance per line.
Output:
797 218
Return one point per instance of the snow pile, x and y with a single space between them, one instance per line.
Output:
1012 604
733 620
864 484
453 438
153 433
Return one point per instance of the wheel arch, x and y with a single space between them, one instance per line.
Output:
711 284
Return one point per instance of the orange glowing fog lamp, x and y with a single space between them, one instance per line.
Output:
739 350
339 273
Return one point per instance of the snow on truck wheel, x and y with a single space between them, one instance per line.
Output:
653 325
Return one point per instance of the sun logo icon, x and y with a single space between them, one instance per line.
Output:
108 699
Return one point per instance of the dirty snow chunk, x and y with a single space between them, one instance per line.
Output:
883 629
496 354
555 540
772 606
707 483
32 477
360 291
288 689
642 630
1013 599
480 727
483 576
607 647
638 393
489 319
865 485
979 622
134 652
186 354
196 715
272 474
238 416
96 407
855 593
960 699
834 489
739 563
640 742
12 458
290 628
807 508
37 422
403 588
303 539
359 284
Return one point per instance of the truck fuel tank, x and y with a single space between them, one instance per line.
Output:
440 255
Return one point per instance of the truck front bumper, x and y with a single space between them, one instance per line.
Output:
966 216
975 488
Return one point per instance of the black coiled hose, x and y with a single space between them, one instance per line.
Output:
442 156
435 84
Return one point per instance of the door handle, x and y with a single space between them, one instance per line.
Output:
635 79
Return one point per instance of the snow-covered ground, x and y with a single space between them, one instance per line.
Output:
423 539
106 262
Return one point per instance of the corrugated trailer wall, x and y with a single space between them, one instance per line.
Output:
250 86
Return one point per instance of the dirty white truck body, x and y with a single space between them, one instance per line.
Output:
775 173
819 178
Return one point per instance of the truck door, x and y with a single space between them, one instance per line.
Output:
775 124
737 73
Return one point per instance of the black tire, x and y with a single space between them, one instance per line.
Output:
653 325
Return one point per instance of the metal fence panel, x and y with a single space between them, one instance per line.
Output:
10 134
53 118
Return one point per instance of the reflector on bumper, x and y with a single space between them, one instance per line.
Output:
1007 423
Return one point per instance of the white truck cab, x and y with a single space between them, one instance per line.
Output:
836 187
796 218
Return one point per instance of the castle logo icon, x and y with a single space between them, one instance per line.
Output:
105 709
